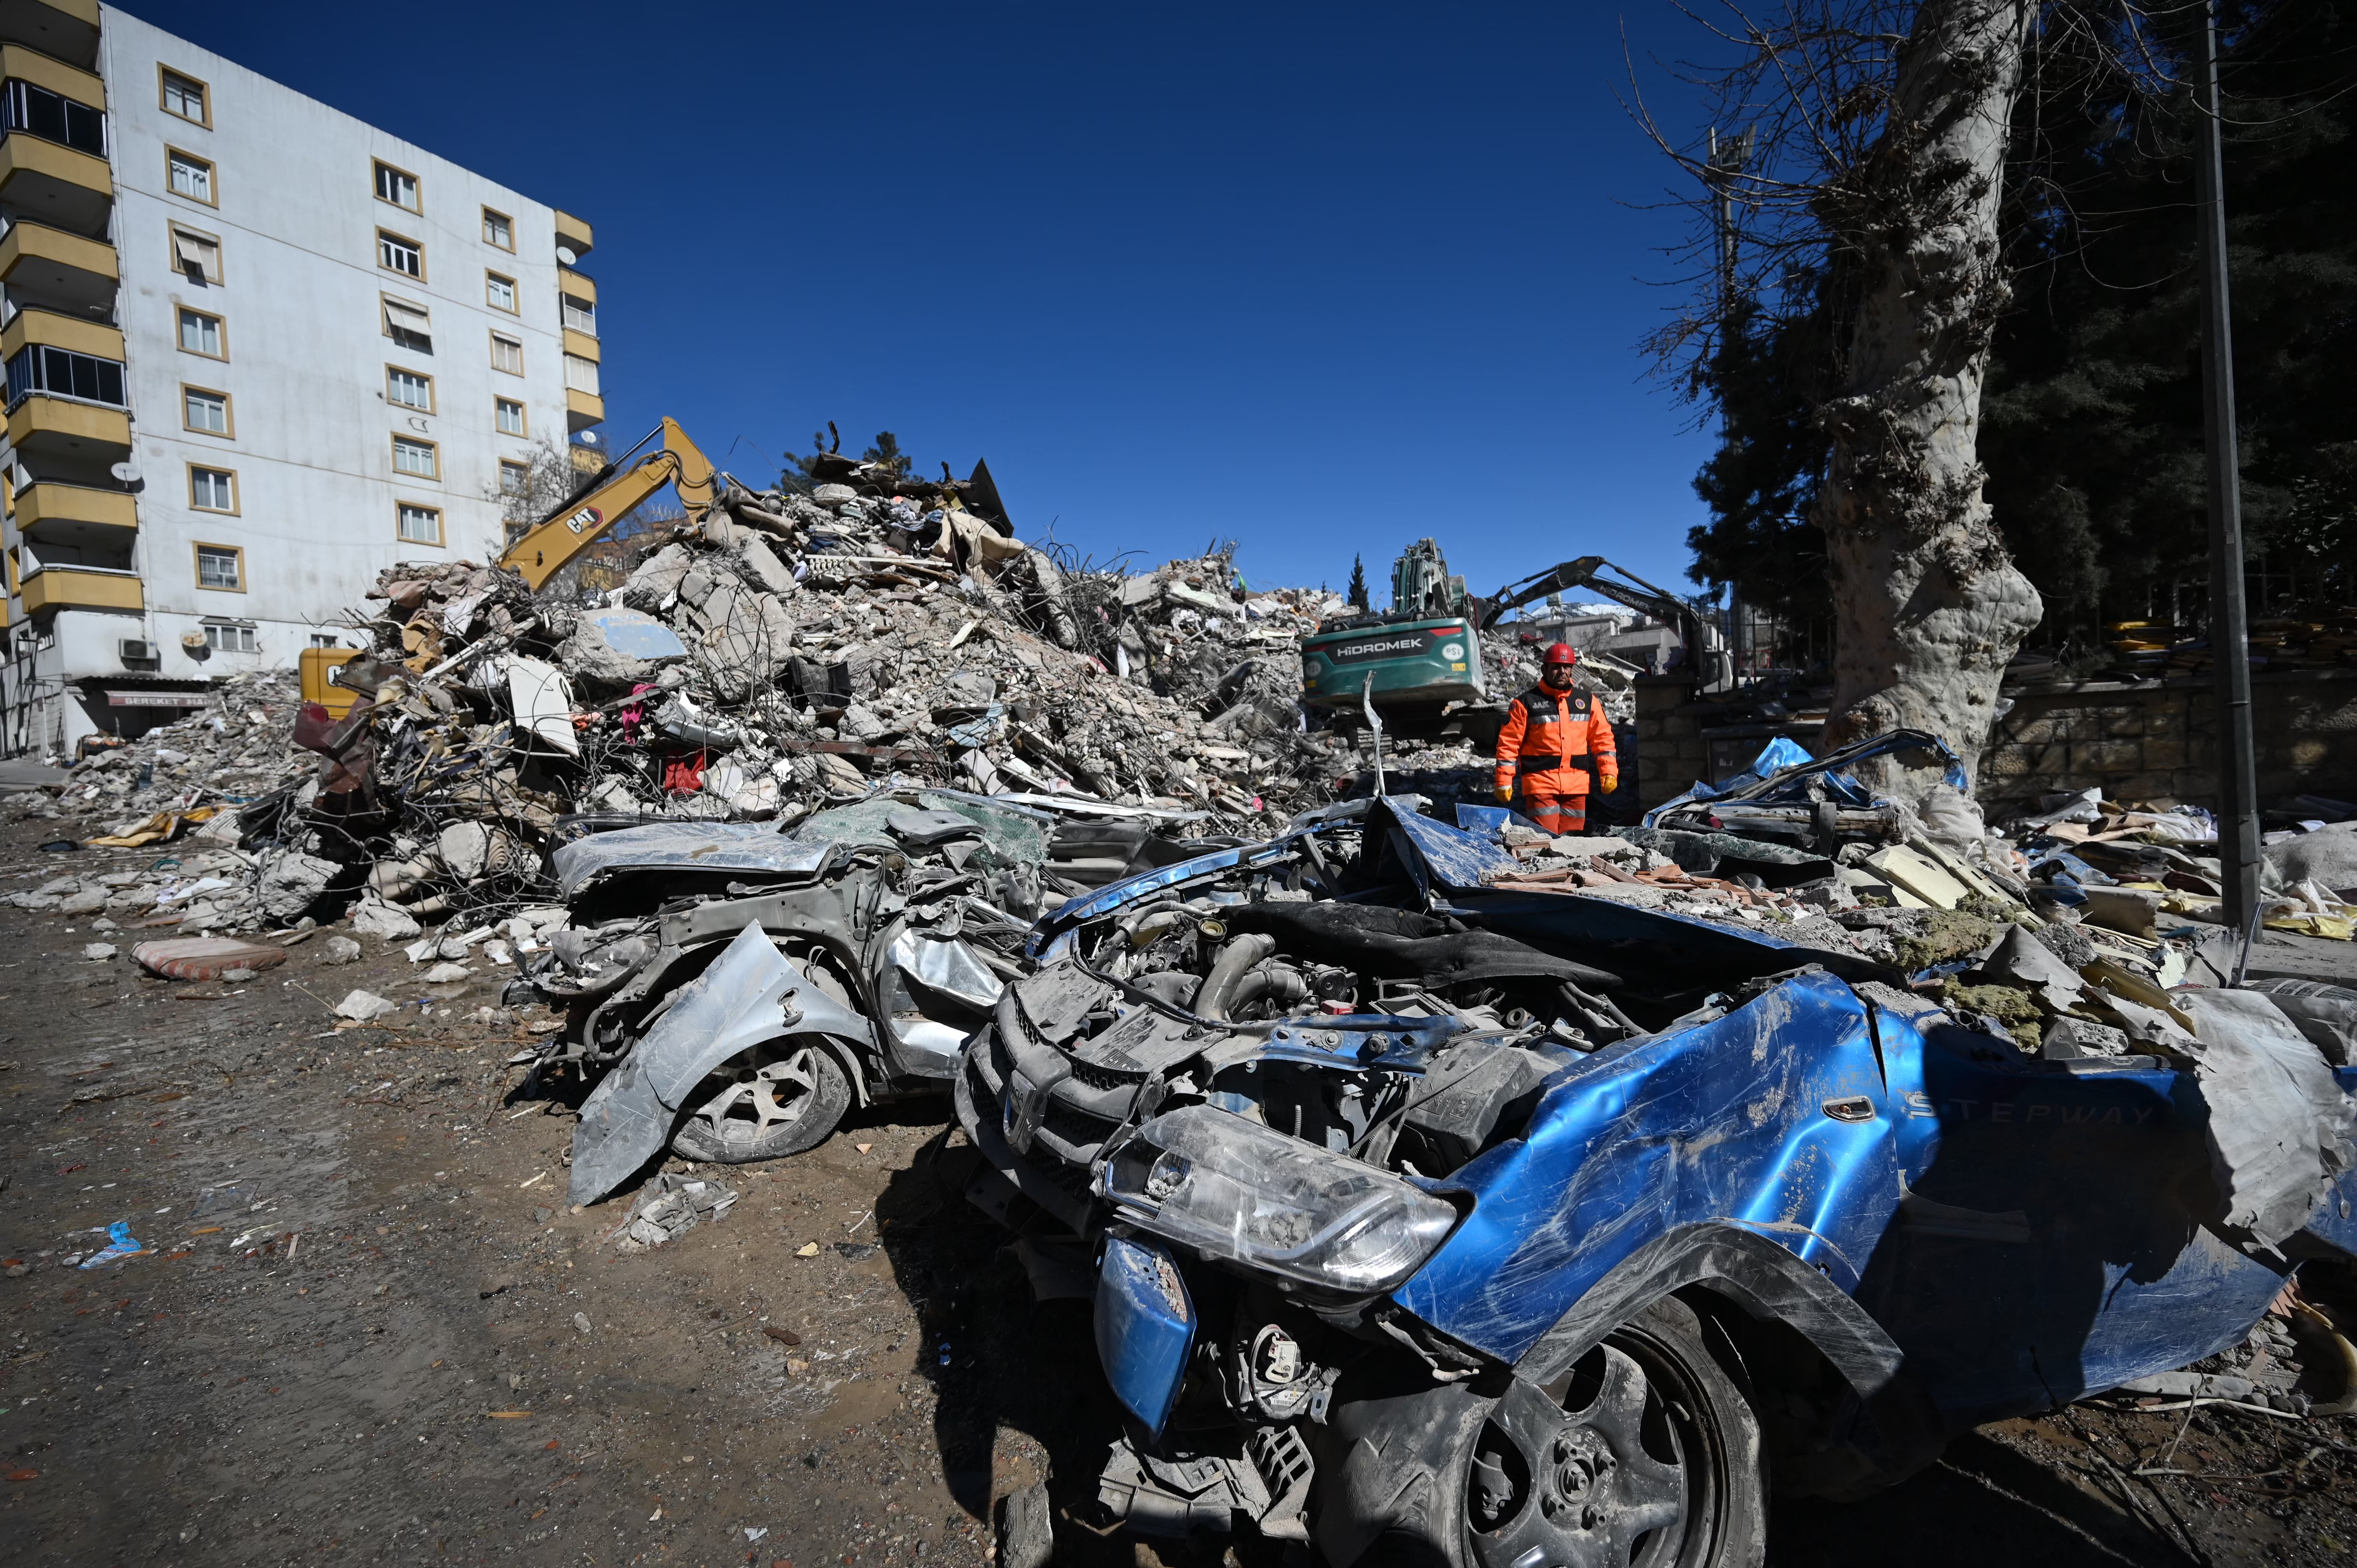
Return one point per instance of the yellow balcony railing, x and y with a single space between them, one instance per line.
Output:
45 70
54 184
48 501
42 423
65 30
580 285
583 409
59 330
42 259
574 234
580 343
80 589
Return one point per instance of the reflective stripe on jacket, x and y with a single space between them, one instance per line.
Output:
1549 740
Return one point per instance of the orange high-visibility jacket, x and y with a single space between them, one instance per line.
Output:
1548 740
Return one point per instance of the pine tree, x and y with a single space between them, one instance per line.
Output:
1358 592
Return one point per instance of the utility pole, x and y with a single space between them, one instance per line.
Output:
1727 160
2229 621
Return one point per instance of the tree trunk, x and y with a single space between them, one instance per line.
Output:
1929 605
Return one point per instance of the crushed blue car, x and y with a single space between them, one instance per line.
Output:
1437 1220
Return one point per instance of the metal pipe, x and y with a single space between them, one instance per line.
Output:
1367 704
2230 629
1241 954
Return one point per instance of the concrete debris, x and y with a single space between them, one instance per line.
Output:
364 1006
669 1207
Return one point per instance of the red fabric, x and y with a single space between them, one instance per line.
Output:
683 775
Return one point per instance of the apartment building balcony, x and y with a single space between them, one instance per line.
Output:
44 425
43 69
56 330
573 235
53 588
83 516
67 29
583 410
55 184
49 266
580 285
581 345
585 460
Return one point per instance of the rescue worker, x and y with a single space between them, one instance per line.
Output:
1556 733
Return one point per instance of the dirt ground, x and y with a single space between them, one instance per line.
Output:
365 1327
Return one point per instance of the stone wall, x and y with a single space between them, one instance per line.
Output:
2144 741
2158 739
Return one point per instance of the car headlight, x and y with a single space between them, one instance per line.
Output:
1232 1189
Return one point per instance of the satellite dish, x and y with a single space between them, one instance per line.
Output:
565 256
588 438
128 475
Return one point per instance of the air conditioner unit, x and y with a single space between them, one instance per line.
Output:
135 651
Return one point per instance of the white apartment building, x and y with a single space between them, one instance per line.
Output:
256 351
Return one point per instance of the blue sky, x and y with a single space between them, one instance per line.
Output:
1323 279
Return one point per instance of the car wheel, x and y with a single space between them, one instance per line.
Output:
1646 1455
778 1099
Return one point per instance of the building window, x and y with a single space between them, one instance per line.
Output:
212 490
185 96
510 416
581 315
580 374
419 524
221 567
409 388
395 254
63 374
45 114
416 457
499 292
207 413
230 636
394 186
507 354
201 334
195 256
324 639
409 326
188 175
516 478
498 229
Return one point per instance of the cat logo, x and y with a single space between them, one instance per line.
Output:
586 518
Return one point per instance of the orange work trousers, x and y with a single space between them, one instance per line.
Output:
1558 814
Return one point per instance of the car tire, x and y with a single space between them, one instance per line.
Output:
1646 1455
780 1098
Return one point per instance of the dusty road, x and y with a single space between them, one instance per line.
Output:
365 1328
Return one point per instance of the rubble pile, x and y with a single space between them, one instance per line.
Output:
778 653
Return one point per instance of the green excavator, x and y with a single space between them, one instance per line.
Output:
1416 670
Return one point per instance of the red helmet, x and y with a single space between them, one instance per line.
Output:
1561 653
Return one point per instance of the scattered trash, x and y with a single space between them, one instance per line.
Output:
119 1245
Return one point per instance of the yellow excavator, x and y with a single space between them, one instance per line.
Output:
544 549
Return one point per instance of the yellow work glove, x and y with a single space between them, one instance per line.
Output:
1505 793
1608 782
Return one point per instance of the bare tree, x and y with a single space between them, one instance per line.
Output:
1866 189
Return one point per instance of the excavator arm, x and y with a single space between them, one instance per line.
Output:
613 495
1704 645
